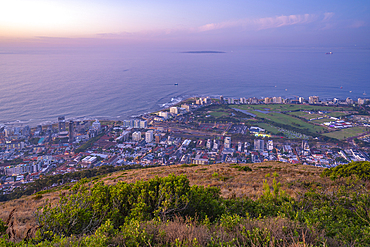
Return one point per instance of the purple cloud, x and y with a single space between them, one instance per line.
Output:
261 23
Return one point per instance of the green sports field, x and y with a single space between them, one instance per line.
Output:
282 118
346 133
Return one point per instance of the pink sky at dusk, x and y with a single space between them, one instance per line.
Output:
57 22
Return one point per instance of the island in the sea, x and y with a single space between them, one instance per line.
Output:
203 52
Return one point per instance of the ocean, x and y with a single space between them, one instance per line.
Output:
38 85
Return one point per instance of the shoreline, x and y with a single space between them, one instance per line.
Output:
172 102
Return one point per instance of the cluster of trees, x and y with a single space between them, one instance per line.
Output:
141 213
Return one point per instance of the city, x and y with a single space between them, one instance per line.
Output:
200 131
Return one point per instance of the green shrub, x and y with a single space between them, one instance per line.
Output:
85 209
361 169
3 227
241 168
141 214
188 165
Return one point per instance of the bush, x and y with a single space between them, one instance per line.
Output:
360 169
85 209
241 168
169 212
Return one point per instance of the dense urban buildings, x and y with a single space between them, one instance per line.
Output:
200 131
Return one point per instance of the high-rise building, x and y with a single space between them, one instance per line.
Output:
259 145
143 124
136 136
209 144
26 131
96 125
128 123
215 144
313 99
71 130
227 142
253 100
246 145
137 123
61 124
349 101
186 107
149 136
157 138
362 101
174 110
305 145
270 145
277 100
163 114
268 100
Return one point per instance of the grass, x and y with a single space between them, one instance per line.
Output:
346 133
231 181
323 120
294 122
337 114
284 119
218 114
269 128
107 122
241 168
305 115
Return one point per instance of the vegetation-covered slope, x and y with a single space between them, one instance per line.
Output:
177 210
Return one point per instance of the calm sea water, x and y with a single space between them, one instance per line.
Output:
37 86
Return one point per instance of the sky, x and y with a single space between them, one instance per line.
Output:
195 23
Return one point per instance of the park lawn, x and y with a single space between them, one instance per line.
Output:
346 133
268 128
321 121
304 115
285 119
295 122
290 121
337 114
218 114
298 113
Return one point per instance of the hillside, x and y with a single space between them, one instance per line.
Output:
289 183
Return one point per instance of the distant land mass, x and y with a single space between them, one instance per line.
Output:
203 52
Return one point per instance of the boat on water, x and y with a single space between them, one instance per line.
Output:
329 53
176 84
